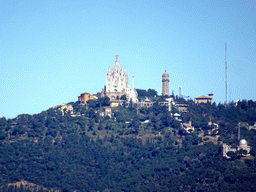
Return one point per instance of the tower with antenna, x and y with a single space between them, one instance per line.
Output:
230 92
239 131
226 83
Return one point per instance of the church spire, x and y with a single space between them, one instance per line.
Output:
117 63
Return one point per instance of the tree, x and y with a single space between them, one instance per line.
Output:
241 152
2 122
142 92
123 97
91 113
232 155
152 93
252 152
103 101
2 135
92 104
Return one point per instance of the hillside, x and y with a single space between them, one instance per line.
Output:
87 152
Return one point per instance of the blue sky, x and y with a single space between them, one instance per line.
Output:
51 51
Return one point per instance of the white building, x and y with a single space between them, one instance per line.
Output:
242 145
117 79
167 103
117 84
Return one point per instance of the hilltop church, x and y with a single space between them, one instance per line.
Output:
117 84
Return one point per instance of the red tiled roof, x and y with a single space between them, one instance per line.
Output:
203 97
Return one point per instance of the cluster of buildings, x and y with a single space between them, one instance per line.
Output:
243 145
118 89
64 109
120 93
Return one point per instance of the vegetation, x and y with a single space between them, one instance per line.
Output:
135 150
143 94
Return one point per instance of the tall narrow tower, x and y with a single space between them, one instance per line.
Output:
180 94
226 79
165 85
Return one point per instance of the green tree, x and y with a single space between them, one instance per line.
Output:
2 122
232 155
152 93
123 97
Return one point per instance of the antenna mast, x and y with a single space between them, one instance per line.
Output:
180 94
226 84
133 83
230 92
239 131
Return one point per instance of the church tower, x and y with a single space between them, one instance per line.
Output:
165 85
117 84
117 79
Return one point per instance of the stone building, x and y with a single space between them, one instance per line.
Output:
242 145
146 103
182 107
167 103
84 97
65 109
165 83
106 112
117 79
205 99
117 84
188 127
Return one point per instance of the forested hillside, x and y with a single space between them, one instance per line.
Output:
87 152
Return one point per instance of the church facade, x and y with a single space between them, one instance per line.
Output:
117 84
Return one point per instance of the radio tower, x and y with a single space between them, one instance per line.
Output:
180 94
226 84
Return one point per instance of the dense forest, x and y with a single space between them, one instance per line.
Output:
88 152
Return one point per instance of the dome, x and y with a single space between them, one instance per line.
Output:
165 74
243 142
